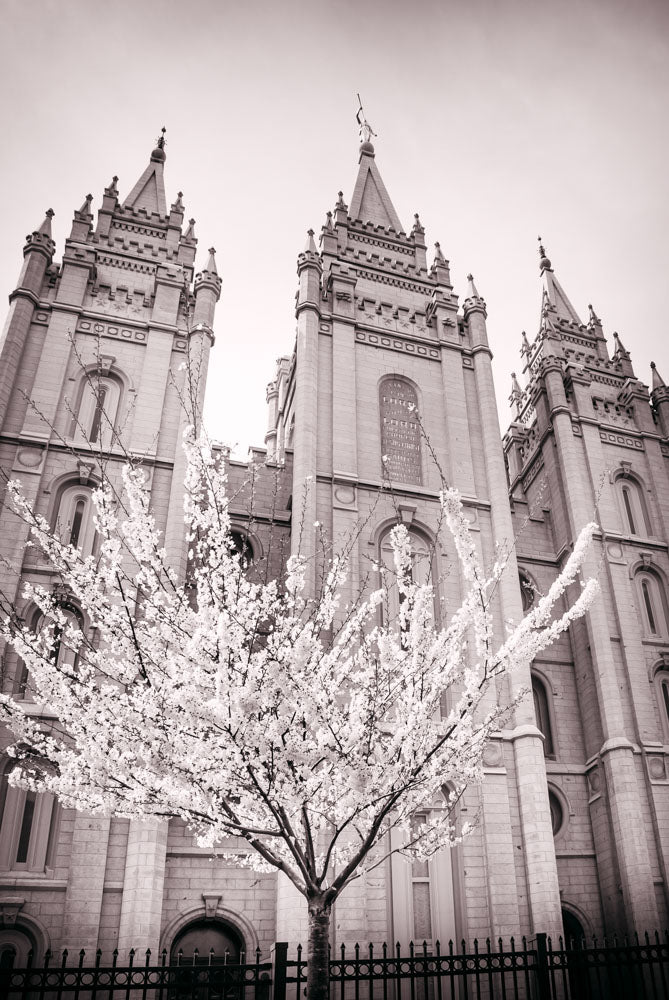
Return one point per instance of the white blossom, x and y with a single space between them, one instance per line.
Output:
261 711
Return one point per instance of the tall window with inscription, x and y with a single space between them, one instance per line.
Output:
400 431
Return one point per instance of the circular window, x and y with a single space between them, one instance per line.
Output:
214 941
241 546
557 813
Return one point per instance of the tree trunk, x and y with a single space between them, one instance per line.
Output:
318 950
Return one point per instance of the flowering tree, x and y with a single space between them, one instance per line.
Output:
258 710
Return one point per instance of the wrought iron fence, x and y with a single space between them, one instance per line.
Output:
636 969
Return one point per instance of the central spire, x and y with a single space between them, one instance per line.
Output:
149 191
371 201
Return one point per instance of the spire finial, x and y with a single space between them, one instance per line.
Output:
365 130
525 347
544 262
658 381
159 152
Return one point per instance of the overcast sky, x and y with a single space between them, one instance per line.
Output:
496 121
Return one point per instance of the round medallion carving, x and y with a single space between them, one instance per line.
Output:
29 457
615 551
344 494
656 767
492 755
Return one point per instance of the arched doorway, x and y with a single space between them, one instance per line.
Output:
15 945
215 941
574 934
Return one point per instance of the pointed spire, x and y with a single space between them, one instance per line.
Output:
516 397
45 228
371 201
525 345
593 318
112 190
328 223
310 245
340 203
657 380
149 191
86 207
417 225
554 298
620 351
178 205
190 232
472 291
438 255
211 263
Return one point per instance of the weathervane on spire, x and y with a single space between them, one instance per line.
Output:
364 128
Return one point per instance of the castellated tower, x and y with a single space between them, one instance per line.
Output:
380 339
91 371
587 441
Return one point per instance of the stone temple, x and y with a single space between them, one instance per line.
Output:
573 813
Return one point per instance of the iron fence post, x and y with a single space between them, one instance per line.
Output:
279 960
542 973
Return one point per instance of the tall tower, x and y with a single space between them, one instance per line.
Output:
585 442
381 340
91 372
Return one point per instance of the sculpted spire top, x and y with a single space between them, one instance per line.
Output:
365 130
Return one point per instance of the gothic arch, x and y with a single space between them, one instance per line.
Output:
237 922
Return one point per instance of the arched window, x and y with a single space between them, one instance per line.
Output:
74 518
421 567
661 682
652 602
63 651
542 712
632 506
98 407
400 431
28 827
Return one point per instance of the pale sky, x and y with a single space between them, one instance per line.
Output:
496 121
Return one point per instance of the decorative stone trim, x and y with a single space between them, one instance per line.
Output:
392 343
608 437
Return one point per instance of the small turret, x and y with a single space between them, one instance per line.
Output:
310 270
659 397
622 357
440 269
207 293
40 240
83 221
475 313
